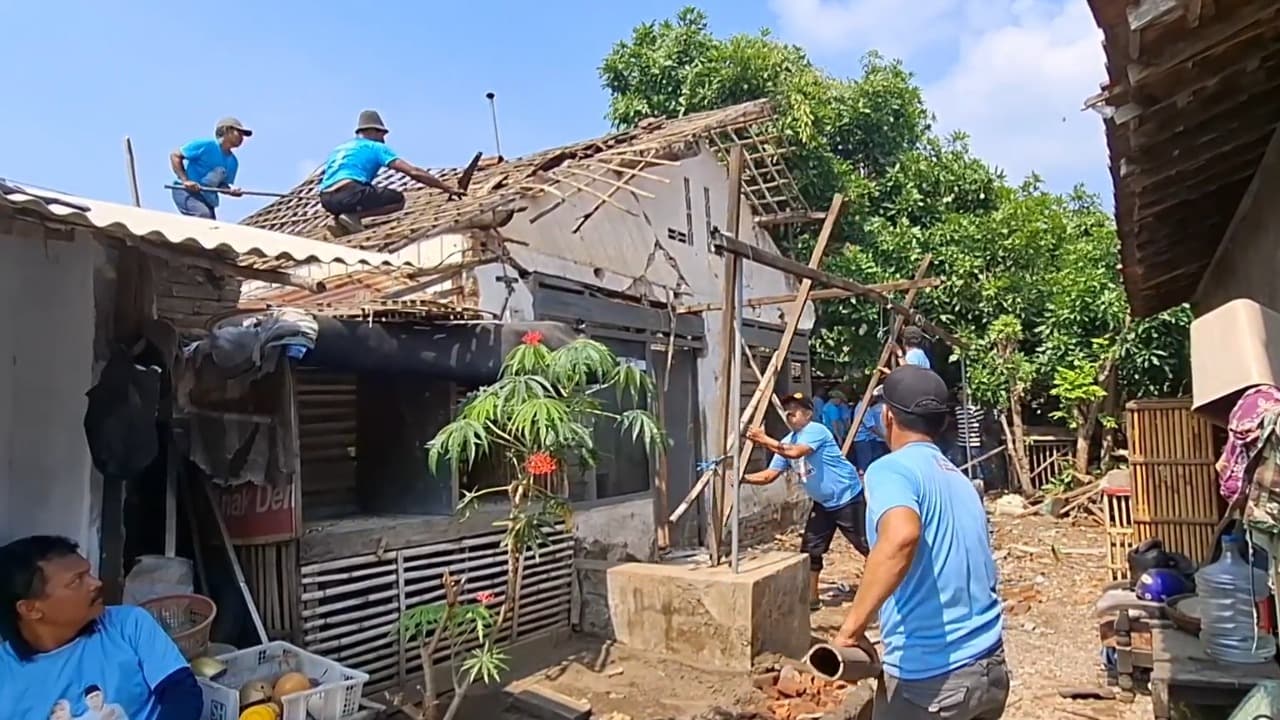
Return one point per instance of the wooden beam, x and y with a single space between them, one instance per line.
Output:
729 346
1148 13
1209 39
787 265
895 329
788 218
823 294
779 356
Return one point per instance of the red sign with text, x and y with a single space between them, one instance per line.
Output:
259 514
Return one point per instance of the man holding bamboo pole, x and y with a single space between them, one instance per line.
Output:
208 163
811 452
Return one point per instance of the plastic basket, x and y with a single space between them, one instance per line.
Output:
187 618
335 697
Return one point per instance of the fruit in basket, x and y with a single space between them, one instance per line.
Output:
254 692
290 683
262 711
207 667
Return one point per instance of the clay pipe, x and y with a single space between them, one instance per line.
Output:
849 664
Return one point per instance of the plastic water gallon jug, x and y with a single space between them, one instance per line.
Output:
1230 590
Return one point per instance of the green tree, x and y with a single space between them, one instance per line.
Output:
1030 276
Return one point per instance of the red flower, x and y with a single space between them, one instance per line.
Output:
540 463
484 598
533 337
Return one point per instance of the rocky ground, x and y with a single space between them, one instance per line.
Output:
1051 573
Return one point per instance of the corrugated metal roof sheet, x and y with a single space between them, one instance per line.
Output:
238 241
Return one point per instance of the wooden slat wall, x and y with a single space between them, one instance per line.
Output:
1175 485
1040 455
351 607
1119 525
327 433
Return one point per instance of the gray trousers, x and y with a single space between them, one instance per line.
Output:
974 692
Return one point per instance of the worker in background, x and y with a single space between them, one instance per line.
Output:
209 163
811 452
930 576
63 653
836 414
912 351
347 190
868 439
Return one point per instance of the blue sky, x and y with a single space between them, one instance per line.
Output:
81 75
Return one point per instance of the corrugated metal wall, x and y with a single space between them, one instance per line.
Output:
351 607
327 433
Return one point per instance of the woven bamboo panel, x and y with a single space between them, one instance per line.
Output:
1175 489
1119 525
351 606
1047 457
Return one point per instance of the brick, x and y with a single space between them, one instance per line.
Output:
766 680
791 683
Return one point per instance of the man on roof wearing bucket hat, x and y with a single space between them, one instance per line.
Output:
208 163
62 652
930 575
346 189
811 452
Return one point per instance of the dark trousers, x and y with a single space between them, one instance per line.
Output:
361 199
850 520
866 452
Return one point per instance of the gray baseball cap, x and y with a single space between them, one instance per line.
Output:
234 124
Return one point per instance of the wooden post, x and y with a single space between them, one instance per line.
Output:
131 167
753 414
895 329
660 499
729 345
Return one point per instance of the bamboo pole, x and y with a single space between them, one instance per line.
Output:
748 417
895 329
729 345
823 294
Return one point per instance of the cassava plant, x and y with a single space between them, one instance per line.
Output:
537 421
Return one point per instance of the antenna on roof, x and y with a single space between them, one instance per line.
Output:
493 112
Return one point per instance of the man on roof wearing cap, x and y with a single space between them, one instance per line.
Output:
347 190
208 163
812 453
912 352
930 575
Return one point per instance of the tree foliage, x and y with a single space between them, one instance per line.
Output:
1016 260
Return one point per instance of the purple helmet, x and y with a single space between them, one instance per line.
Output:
1160 584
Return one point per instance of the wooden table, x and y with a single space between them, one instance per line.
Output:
1182 672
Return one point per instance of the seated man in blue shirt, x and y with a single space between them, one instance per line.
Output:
347 190
209 163
812 453
65 654
930 575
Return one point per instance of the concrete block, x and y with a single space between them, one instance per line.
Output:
547 704
712 617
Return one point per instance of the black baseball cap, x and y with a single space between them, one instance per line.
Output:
799 398
917 391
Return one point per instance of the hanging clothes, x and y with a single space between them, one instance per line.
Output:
1250 461
120 420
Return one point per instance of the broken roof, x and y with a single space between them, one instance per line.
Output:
598 167
397 295
1192 100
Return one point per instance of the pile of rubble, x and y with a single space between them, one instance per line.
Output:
794 694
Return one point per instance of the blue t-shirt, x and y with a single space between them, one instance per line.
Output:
837 416
917 357
357 159
209 166
114 668
829 477
946 613
869 428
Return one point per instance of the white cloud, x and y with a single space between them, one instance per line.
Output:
1014 77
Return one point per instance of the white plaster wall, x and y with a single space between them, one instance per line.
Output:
46 366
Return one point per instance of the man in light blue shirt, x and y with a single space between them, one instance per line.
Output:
913 348
811 452
931 574
836 414
208 163
347 190
868 440
63 654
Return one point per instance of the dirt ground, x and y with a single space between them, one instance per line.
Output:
1051 574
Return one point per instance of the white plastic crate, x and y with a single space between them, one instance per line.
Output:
336 697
